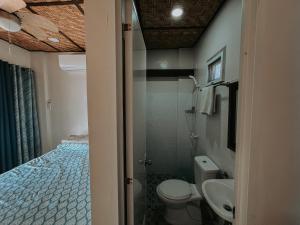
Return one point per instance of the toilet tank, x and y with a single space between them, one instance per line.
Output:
204 169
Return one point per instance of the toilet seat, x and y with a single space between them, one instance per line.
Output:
175 189
177 194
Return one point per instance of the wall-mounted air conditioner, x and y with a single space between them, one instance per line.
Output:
72 62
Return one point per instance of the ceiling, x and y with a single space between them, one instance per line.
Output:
161 31
68 15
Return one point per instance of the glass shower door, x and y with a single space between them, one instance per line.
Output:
135 108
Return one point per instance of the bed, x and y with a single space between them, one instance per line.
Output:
53 189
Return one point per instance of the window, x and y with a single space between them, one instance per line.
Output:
216 67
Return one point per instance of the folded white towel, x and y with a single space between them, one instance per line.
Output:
207 100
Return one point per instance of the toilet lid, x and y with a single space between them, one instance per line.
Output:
175 189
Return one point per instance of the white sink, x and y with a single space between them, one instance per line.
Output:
219 194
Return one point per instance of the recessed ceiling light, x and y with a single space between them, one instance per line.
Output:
53 39
177 12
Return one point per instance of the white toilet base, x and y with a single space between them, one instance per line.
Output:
188 215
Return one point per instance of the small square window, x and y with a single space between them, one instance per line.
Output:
216 67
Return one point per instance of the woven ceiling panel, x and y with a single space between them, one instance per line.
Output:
82 6
25 41
156 14
64 44
68 19
169 39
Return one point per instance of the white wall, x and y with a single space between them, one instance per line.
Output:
102 109
225 30
170 59
39 65
14 54
67 90
68 94
270 115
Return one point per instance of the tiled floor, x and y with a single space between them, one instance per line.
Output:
155 208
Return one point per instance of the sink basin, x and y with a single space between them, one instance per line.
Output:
219 193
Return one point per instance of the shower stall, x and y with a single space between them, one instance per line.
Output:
171 138
161 139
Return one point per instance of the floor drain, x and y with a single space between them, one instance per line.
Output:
227 208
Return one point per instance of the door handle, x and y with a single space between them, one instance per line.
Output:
147 162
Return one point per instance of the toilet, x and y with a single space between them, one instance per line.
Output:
181 198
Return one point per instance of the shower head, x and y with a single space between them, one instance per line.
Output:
195 81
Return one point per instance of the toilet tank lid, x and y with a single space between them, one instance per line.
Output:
206 164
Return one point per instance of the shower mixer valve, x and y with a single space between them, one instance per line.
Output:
194 136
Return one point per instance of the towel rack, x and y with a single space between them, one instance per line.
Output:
226 84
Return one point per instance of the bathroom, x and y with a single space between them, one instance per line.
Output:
184 111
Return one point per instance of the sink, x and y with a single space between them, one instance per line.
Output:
219 193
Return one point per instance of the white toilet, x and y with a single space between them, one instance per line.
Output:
182 199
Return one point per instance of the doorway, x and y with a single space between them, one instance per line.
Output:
167 126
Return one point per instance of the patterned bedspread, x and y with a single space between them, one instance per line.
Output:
52 189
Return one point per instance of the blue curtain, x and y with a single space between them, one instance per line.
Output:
27 126
19 110
8 136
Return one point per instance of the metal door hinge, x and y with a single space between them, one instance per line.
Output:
126 27
128 180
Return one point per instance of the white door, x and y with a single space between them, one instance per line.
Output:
135 108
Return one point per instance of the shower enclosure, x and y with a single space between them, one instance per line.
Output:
160 134
171 115
134 101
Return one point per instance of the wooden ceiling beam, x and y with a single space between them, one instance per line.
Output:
80 8
30 9
73 42
59 3
14 44
54 3
77 4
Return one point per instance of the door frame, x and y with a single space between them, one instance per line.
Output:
128 110
245 110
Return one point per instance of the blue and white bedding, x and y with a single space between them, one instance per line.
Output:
53 189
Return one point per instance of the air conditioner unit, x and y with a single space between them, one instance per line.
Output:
72 62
